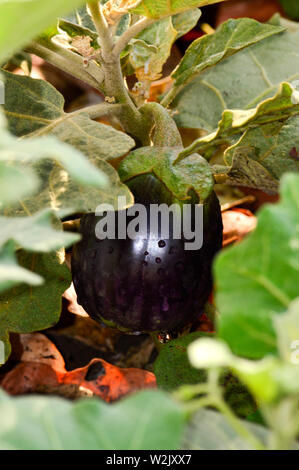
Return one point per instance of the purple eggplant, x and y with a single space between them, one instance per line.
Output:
147 284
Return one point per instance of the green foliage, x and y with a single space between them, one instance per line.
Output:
164 7
23 308
265 144
192 173
231 37
38 113
148 420
20 21
241 81
172 367
238 85
258 278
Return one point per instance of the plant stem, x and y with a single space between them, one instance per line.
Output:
114 84
105 38
131 33
170 96
99 110
237 424
68 61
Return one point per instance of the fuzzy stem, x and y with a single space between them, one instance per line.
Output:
170 96
99 110
131 33
68 61
114 84
105 38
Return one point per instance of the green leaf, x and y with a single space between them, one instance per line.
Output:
210 430
184 22
258 278
241 81
36 233
231 37
164 132
156 10
287 331
172 367
265 145
191 174
264 154
21 21
152 48
34 108
147 420
24 309
16 181
10 271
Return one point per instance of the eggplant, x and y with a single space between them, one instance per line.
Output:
147 284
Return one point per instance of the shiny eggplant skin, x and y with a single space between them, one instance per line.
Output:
145 285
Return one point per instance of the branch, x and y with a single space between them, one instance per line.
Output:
104 34
99 110
68 61
131 33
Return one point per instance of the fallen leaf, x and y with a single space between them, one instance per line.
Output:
73 306
97 378
38 348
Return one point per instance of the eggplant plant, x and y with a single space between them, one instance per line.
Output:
236 86
236 91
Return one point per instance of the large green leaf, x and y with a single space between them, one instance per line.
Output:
184 22
23 308
191 174
241 81
266 141
154 9
259 278
231 37
149 420
35 109
264 154
21 21
11 273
